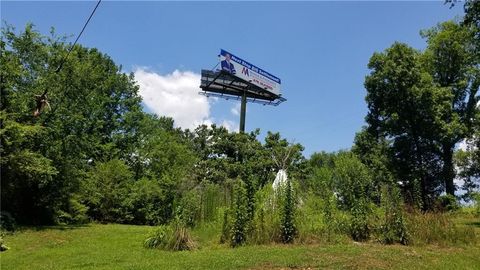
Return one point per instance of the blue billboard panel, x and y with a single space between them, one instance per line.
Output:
248 72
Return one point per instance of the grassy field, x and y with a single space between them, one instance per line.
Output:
120 247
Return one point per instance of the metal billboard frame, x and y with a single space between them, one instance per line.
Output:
224 85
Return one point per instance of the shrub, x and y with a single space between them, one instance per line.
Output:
240 215
7 222
320 181
352 181
259 233
106 189
76 213
318 220
354 189
359 227
145 203
266 226
165 237
288 228
190 208
393 229
159 238
448 203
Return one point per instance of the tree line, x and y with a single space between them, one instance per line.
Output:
95 155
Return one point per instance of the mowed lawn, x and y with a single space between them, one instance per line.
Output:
120 247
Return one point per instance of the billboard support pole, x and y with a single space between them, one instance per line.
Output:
243 109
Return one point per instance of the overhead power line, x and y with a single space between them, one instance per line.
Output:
42 100
78 37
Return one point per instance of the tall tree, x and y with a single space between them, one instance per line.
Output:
92 117
468 161
423 104
451 61
404 108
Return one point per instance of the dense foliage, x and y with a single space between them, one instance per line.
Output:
421 105
96 156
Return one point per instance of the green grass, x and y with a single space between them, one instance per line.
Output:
120 247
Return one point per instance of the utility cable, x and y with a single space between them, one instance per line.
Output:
78 37
41 100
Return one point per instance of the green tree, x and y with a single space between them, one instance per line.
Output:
451 61
472 20
376 154
468 164
92 118
28 177
406 109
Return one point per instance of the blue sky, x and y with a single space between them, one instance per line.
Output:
320 50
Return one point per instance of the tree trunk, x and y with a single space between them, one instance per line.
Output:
448 171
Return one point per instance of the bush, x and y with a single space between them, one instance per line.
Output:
7 222
190 208
240 215
3 247
76 213
352 181
159 238
112 195
393 229
165 237
106 191
448 203
319 220
359 226
145 203
259 232
266 226
288 228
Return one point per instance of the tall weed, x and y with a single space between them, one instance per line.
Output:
439 229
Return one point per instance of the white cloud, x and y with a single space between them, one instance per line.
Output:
176 95
235 110
231 126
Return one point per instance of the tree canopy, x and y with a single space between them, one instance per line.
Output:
94 154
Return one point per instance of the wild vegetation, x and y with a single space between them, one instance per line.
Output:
96 157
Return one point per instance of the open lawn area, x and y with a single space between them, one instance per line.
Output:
120 247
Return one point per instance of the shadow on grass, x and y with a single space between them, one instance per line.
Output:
52 227
475 224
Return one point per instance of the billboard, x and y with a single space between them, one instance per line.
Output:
248 72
